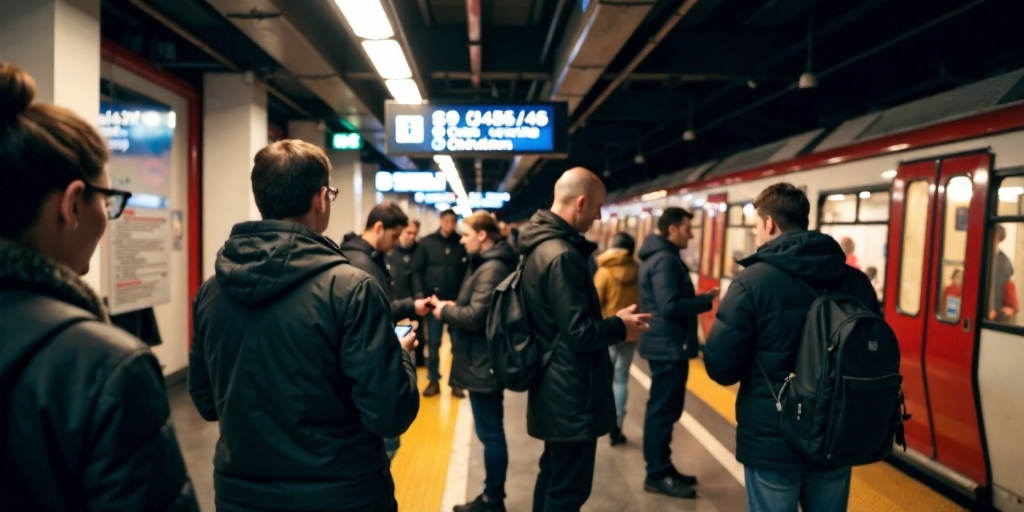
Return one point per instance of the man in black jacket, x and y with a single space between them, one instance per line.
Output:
761 319
571 404
408 282
667 292
442 261
295 353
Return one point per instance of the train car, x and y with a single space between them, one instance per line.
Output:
931 195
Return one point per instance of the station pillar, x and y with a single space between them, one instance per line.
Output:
356 193
234 130
58 43
307 131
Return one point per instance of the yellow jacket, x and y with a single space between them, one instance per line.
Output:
616 281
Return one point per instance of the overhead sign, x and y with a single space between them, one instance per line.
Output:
487 200
346 141
413 181
481 130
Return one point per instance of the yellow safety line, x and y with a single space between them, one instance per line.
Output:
421 464
876 487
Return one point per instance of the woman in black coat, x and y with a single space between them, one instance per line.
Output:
491 261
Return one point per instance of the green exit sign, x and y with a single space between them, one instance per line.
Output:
346 141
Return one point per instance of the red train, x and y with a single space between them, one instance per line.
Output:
929 197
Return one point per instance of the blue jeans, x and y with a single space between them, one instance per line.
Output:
664 408
777 491
435 331
622 356
488 415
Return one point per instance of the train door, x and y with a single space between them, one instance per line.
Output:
711 253
937 237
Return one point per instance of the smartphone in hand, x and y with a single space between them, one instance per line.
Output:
402 330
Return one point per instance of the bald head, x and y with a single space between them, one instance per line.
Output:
579 195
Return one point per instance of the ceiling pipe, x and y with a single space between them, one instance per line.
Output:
652 43
205 48
475 51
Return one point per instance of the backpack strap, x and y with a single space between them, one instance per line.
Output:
545 359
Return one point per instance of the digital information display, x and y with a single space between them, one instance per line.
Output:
476 130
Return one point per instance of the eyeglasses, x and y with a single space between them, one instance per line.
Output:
332 193
116 200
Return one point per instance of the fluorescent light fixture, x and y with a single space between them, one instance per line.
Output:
443 206
440 159
722 207
654 195
748 209
388 58
888 175
404 91
837 197
898 147
1010 194
367 18
865 194
960 189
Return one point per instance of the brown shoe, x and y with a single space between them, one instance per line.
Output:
432 389
458 393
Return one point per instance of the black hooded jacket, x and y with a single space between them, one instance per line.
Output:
471 355
667 292
85 418
408 282
441 262
572 400
363 256
762 316
295 353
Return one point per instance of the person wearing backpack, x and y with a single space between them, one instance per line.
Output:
570 403
84 416
755 341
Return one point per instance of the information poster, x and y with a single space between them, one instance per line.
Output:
139 135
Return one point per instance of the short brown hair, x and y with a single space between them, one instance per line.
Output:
43 148
482 221
389 214
785 204
286 175
672 216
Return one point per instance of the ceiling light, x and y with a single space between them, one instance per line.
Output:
639 159
865 194
654 195
808 80
441 159
404 91
752 84
748 209
443 206
689 135
367 18
888 175
607 173
837 197
960 189
388 58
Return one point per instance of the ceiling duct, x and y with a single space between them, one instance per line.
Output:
593 37
285 43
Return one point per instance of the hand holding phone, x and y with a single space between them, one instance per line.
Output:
402 330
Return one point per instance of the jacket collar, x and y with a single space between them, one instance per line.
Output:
24 269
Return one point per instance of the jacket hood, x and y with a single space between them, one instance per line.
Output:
22 268
654 244
501 251
354 242
809 255
621 265
544 226
264 259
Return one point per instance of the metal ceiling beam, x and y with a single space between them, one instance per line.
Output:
424 6
635 77
475 51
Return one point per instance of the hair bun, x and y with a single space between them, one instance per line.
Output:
17 90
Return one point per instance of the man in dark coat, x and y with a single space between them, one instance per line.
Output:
571 404
295 354
761 319
667 292
442 262
409 282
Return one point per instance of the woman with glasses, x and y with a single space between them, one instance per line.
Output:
84 418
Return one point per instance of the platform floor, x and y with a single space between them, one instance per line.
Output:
440 463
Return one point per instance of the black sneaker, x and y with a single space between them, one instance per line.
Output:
616 436
432 389
687 480
669 486
480 504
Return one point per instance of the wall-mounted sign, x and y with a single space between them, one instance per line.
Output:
346 141
487 200
476 129
419 181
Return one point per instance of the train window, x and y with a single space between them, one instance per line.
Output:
739 237
735 215
691 255
912 260
1006 255
956 212
1011 197
873 207
706 246
839 208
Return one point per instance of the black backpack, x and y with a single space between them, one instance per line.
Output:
517 360
842 405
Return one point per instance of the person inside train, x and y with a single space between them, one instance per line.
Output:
408 282
617 288
384 228
755 323
294 352
442 262
849 248
876 282
667 292
949 302
1003 303
491 260
571 404
85 422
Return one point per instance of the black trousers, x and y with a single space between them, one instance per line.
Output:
385 504
566 476
664 408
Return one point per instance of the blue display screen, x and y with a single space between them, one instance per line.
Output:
464 129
